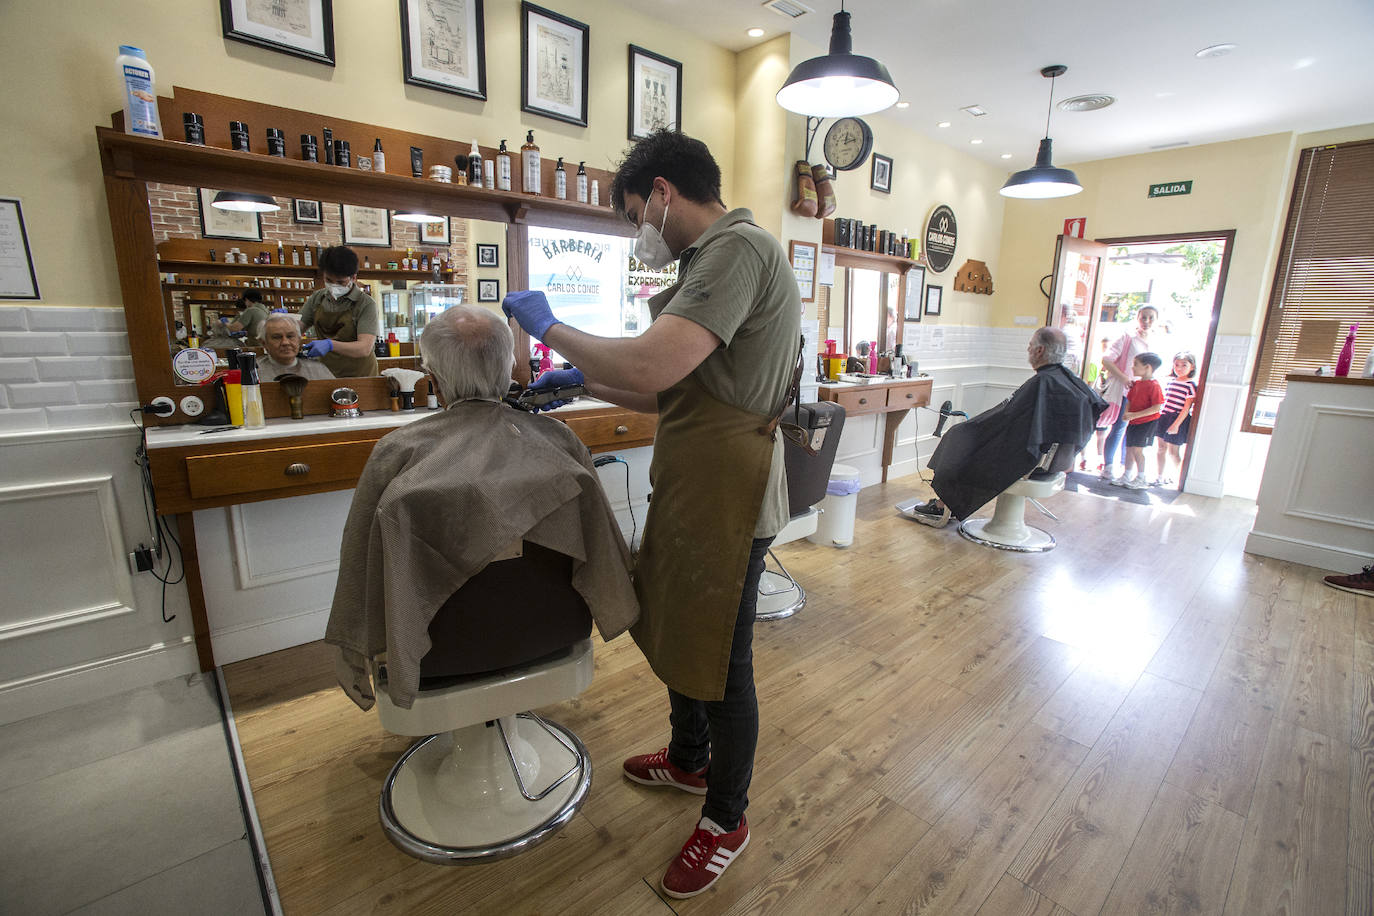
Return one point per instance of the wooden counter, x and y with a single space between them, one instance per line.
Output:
891 397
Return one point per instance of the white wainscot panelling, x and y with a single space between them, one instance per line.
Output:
45 530
861 447
1335 459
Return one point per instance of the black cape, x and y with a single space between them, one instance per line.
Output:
978 459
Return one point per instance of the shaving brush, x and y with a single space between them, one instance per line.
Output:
294 386
406 378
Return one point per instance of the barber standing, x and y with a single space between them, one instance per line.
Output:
342 317
251 317
716 365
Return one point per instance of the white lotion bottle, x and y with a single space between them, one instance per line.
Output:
140 95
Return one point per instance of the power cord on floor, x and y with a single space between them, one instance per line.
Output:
943 413
616 459
158 528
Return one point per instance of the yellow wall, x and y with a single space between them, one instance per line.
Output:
62 82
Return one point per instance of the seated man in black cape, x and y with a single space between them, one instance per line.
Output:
978 459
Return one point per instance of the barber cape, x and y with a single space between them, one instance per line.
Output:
441 498
978 459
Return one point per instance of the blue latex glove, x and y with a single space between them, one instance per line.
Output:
558 378
318 348
238 334
531 309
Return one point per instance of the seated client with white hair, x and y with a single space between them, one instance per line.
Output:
281 337
445 495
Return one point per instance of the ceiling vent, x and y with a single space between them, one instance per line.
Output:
791 9
976 110
1090 102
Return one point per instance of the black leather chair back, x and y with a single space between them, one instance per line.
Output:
808 475
511 613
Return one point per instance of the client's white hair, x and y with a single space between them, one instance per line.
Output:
1055 343
284 318
470 351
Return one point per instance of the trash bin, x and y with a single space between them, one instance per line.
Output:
835 527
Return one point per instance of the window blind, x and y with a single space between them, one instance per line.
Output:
1325 276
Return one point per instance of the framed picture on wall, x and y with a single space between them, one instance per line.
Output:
881 179
553 65
435 233
933 296
227 224
303 28
802 255
488 290
307 212
915 283
366 226
443 46
655 93
488 256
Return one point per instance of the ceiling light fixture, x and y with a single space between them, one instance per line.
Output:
839 84
903 104
1006 155
1216 50
755 33
244 202
975 142
1043 180
943 124
412 215
1095 101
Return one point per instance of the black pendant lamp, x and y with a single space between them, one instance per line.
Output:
244 202
839 84
1042 180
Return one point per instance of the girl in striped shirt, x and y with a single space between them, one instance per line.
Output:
1177 417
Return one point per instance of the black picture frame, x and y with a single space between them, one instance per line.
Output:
18 281
648 108
356 221
312 214
226 224
553 93
488 290
435 233
488 255
426 52
238 26
934 296
915 293
880 179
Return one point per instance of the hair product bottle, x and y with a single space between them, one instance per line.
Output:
1347 352
378 157
560 180
503 168
582 182
233 395
474 166
253 416
140 96
530 177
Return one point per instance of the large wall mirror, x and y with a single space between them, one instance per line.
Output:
872 308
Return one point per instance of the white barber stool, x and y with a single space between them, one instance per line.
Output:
779 594
487 779
1007 529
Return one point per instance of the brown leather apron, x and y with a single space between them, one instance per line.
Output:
343 325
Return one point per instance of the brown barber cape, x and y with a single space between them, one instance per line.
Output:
441 498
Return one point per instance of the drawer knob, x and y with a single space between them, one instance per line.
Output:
299 469
621 430
909 395
863 400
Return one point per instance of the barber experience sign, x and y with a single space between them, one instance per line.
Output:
942 237
1171 189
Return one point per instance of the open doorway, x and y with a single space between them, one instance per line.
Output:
1099 289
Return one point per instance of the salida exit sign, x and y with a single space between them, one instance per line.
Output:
1171 189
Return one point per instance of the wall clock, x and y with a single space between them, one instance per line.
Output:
848 143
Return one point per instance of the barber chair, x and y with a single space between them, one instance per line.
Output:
780 595
1007 529
489 779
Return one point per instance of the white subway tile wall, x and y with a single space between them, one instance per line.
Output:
64 368
1229 354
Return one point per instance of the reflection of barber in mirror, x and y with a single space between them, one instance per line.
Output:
281 334
249 323
342 318
716 365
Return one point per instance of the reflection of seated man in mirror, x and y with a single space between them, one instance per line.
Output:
342 319
444 496
252 314
219 337
282 340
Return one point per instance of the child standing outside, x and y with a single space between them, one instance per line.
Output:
1174 422
1143 405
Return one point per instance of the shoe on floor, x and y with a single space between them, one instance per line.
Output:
931 513
704 858
1117 481
1136 483
657 770
1361 583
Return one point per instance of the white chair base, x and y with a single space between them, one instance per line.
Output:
489 780
779 594
1007 529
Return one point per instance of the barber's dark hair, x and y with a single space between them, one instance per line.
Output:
252 295
1151 359
672 155
339 261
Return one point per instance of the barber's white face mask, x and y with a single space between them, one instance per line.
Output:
338 292
649 245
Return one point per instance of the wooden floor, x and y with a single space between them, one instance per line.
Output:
1144 720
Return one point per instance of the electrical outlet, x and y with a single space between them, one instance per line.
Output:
141 560
165 406
192 406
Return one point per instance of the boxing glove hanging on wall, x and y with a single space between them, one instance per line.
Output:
804 190
825 191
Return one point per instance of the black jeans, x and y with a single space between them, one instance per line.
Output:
724 733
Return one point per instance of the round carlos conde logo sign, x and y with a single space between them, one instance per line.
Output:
942 235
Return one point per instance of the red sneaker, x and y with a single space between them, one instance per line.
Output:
1361 583
658 770
704 858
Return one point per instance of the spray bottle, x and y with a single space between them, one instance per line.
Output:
503 168
531 176
253 415
873 358
1347 352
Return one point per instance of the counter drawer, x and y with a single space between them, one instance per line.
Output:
914 395
614 430
228 473
861 400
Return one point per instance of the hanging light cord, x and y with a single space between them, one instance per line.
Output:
1049 110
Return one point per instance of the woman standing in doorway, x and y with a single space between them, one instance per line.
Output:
1116 363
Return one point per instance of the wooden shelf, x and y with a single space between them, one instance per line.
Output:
869 260
277 270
